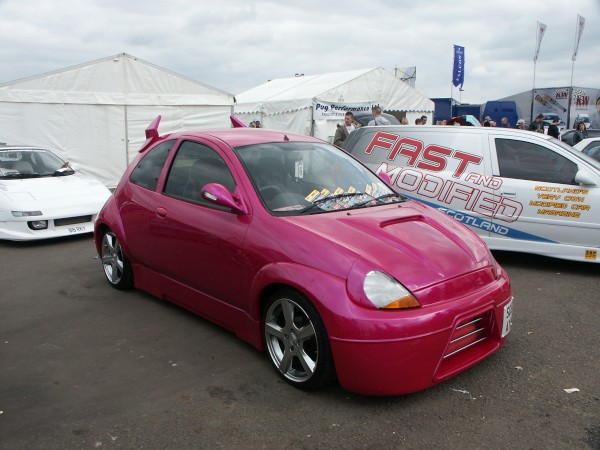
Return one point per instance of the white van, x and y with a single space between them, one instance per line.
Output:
518 190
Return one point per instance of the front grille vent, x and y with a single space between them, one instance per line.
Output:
468 334
72 220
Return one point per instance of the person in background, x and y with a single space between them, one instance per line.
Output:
520 124
486 121
423 120
504 122
580 133
404 121
418 121
537 124
378 119
343 130
492 123
553 129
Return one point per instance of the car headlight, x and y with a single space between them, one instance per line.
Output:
26 213
387 293
493 263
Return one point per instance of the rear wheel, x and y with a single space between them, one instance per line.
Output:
296 341
116 265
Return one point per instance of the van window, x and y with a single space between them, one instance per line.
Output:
528 161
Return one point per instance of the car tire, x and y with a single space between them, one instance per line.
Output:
296 341
117 268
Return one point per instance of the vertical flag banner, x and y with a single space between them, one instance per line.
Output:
541 29
578 33
458 73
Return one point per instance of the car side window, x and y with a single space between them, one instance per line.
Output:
195 165
528 161
148 170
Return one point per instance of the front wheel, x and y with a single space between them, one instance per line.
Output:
116 265
296 341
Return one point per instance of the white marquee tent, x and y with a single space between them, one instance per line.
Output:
95 114
315 104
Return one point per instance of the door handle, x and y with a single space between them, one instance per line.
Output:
161 212
509 193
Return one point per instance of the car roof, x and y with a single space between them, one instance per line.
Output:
454 129
235 137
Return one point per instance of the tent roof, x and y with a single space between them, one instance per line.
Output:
367 85
119 79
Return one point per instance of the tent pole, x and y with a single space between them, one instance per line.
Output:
126 137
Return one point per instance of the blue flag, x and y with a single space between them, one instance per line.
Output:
458 74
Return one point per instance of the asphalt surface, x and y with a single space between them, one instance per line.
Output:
84 366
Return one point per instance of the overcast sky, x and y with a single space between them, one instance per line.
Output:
234 45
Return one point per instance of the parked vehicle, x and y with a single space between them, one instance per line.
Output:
42 196
589 146
301 250
518 190
363 118
567 136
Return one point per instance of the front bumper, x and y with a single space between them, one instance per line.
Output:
410 350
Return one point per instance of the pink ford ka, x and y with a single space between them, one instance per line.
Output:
301 251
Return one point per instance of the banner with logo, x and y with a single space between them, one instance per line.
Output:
458 71
585 107
578 33
336 111
541 29
552 101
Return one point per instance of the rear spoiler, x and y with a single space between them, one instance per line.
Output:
151 134
237 123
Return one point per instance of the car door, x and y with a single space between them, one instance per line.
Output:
136 213
548 206
193 241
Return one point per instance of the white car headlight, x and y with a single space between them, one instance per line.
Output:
387 293
26 213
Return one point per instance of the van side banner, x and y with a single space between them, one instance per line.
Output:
336 111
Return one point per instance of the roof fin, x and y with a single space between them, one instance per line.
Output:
151 133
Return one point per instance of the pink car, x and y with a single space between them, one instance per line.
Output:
299 249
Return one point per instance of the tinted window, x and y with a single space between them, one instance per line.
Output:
148 170
196 165
528 161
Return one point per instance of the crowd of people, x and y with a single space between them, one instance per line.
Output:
343 130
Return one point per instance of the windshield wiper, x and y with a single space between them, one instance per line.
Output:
63 171
332 197
20 175
386 196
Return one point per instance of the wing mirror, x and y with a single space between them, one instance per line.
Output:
385 177
219 195
583 178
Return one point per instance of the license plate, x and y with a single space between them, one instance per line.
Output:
77 229
507 318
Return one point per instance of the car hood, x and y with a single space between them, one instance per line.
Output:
412 242
54 191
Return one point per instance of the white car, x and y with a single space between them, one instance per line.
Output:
42 197
589 146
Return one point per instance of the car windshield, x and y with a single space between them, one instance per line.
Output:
294 178
31 163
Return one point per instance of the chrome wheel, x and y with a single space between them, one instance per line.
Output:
296 341
115 263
